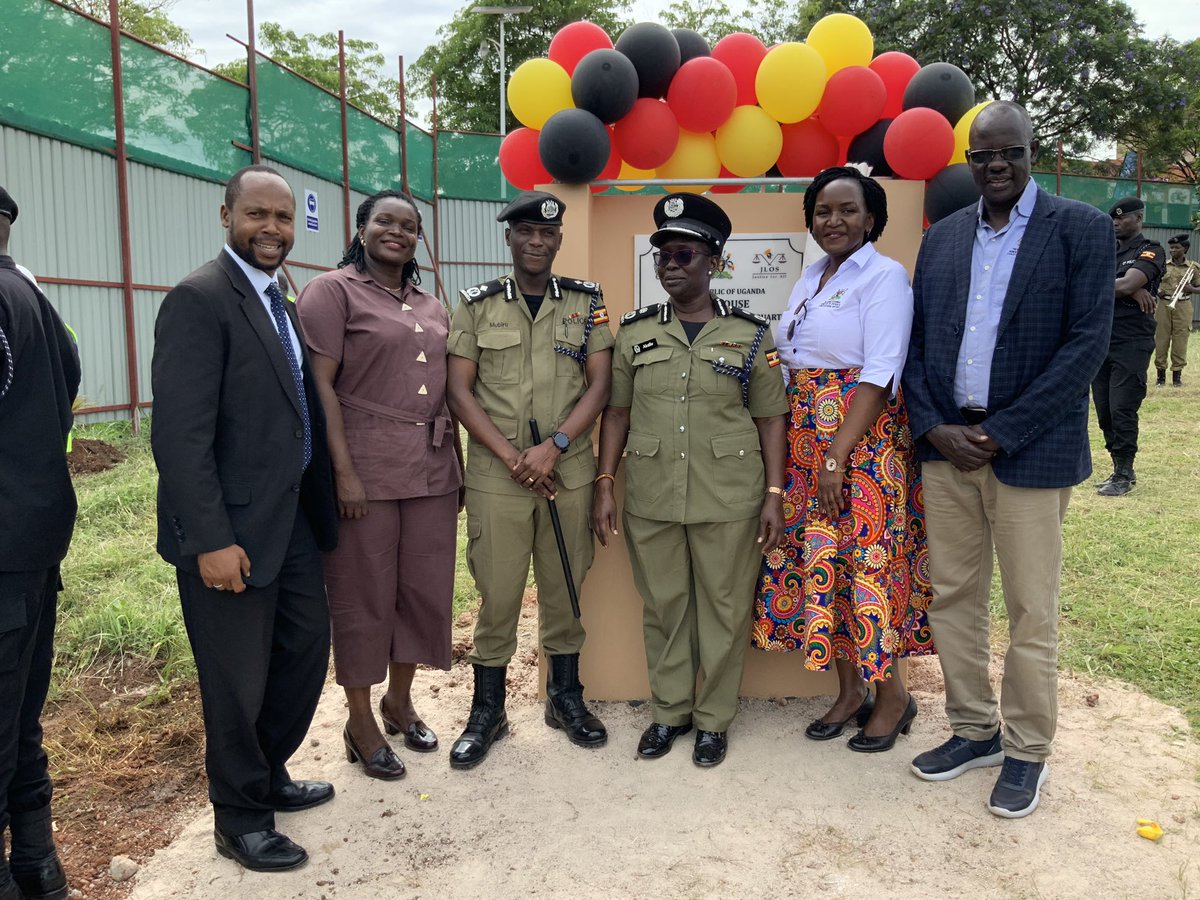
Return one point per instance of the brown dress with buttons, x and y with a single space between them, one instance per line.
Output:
391 578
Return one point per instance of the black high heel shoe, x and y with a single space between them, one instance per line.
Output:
825 731
383 763
861 743
418 736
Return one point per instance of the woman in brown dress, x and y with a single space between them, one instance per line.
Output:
378 345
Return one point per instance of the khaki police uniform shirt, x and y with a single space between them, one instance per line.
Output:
1174 274
693 454
521 376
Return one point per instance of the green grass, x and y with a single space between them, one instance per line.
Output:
1131 573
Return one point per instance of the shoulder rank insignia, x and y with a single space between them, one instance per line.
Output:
644 313
597 314
749 316
487 289
576 284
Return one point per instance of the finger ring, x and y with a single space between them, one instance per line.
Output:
219 587
530 479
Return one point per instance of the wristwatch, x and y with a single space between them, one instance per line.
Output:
561 441
831 465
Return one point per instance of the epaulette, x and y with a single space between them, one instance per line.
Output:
749 316
471 294
575 284
644 313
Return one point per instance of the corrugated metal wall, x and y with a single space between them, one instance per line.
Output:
68 231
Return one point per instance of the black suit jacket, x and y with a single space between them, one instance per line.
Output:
227 431
39 378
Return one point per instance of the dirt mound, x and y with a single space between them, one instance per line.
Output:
88 456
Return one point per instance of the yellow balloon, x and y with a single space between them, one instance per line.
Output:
842 40
537 90
962 132
695 156
633 175
749 142
790 82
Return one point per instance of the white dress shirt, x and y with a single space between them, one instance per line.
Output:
862 317
261 281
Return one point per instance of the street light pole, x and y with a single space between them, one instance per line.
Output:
502 12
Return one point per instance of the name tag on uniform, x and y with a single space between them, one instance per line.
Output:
645 345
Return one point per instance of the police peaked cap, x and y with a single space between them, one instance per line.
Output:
1183 240
540 207
1125 206
8 206
690 216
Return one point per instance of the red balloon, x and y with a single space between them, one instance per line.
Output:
611 170
807 149
520 162
742 53
853 99
703 94
919 143
727 188
896 69
575 41
648 134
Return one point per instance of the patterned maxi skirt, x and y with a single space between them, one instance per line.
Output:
857 587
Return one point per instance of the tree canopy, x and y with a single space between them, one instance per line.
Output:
468 84
315 56
149 20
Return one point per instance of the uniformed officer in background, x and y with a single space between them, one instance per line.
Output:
1120 386
530 345
698 406
1180 282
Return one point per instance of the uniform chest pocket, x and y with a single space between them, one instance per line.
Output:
568 337
654 371
499 357
709 379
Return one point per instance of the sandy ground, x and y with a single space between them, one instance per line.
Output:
782 817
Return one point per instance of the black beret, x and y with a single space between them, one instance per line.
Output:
8 206
1184 240
1125 206
690 216
534 206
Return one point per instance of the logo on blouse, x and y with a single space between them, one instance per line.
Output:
834 302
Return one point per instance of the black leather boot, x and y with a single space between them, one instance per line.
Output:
487 722
1123 478
8 887
565 708
34 861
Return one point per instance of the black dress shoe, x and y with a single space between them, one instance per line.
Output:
710 748
418 736
262 851
383 763
657 739
824 731
298 795
861 743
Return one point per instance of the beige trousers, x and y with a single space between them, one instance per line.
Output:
1171 334
967 514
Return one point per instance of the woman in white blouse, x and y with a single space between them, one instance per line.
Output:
850 584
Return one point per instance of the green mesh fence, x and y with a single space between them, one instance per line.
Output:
468 167
298 124
420 162
1167 205
374 153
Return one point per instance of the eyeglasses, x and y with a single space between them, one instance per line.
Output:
1008 154
663 258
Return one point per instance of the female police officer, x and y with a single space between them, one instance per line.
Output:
699 411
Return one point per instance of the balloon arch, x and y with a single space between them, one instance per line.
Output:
661 103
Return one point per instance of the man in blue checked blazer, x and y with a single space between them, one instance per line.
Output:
1013 306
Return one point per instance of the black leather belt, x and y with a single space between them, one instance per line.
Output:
973 415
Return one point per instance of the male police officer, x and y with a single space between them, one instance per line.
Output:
528 346
1120 385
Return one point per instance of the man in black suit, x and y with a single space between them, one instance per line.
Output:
245 504
39 378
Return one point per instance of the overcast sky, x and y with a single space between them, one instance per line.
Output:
406 29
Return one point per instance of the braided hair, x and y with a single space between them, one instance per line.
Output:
872 191
356 253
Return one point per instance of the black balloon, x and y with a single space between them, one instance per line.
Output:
943 87
654 52
691 44
605 83
868 147
574 146
950 190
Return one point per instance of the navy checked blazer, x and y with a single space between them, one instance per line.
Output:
1052 339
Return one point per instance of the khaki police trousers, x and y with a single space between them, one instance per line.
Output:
697 584
966 515
1171 334
503 532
